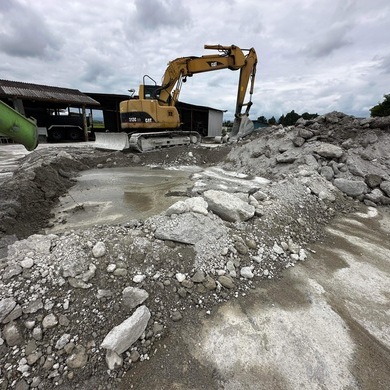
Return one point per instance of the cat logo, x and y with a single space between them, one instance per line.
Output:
214 64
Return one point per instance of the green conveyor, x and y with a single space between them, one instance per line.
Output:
17 127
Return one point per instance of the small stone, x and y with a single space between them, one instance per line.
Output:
99 249
302 255
251 244
198 277
113 360
22 385
62 341
133 296
246 272
68 348
78 359
27 263
187 283
182 292
176 316
33 357
226 281
11 271
6 306
210 283
111 268
103 293
180 277
50 321
48 364
12 334
277 249
30 347
120 272
29 324
241 248
78 283
33 306
139 278
37 333
134 356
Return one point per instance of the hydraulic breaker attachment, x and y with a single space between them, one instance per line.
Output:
242 126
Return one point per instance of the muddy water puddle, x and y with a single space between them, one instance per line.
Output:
119 195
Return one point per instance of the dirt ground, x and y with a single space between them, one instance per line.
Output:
294 215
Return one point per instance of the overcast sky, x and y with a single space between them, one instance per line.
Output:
314 55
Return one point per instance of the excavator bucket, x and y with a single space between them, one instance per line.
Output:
242 127
111 141
17 127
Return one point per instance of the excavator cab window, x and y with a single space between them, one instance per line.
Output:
151 91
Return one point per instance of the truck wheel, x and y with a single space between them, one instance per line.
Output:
56 134
75 134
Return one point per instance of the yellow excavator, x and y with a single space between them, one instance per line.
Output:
151 120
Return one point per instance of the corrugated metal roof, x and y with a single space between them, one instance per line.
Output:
27 91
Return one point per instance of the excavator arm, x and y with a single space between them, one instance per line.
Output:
232 58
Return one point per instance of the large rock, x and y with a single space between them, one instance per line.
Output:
6 306
385 187
228 206
122 337
37 243
351 187
329 150
196 204
187 228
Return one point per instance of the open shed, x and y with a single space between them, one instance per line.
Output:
61 113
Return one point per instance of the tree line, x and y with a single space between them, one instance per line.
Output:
381 109
286 120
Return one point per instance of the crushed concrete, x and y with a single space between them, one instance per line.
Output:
61 295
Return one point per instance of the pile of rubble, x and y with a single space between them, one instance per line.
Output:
82 307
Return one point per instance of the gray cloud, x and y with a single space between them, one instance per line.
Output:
314 56
24 33
153 14
328 41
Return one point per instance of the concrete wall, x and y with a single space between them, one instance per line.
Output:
215 123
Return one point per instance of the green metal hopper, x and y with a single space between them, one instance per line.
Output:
17 127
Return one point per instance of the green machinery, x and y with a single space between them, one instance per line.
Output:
17 127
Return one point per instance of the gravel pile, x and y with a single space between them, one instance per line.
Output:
70 303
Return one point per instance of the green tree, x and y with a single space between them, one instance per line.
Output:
262 119
307 116
290 118
382 109
272 121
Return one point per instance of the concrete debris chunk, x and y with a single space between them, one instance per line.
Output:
123 336
133 296
228 206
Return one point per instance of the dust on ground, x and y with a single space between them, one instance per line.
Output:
65 297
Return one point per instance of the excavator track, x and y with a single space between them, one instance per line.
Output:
144 142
